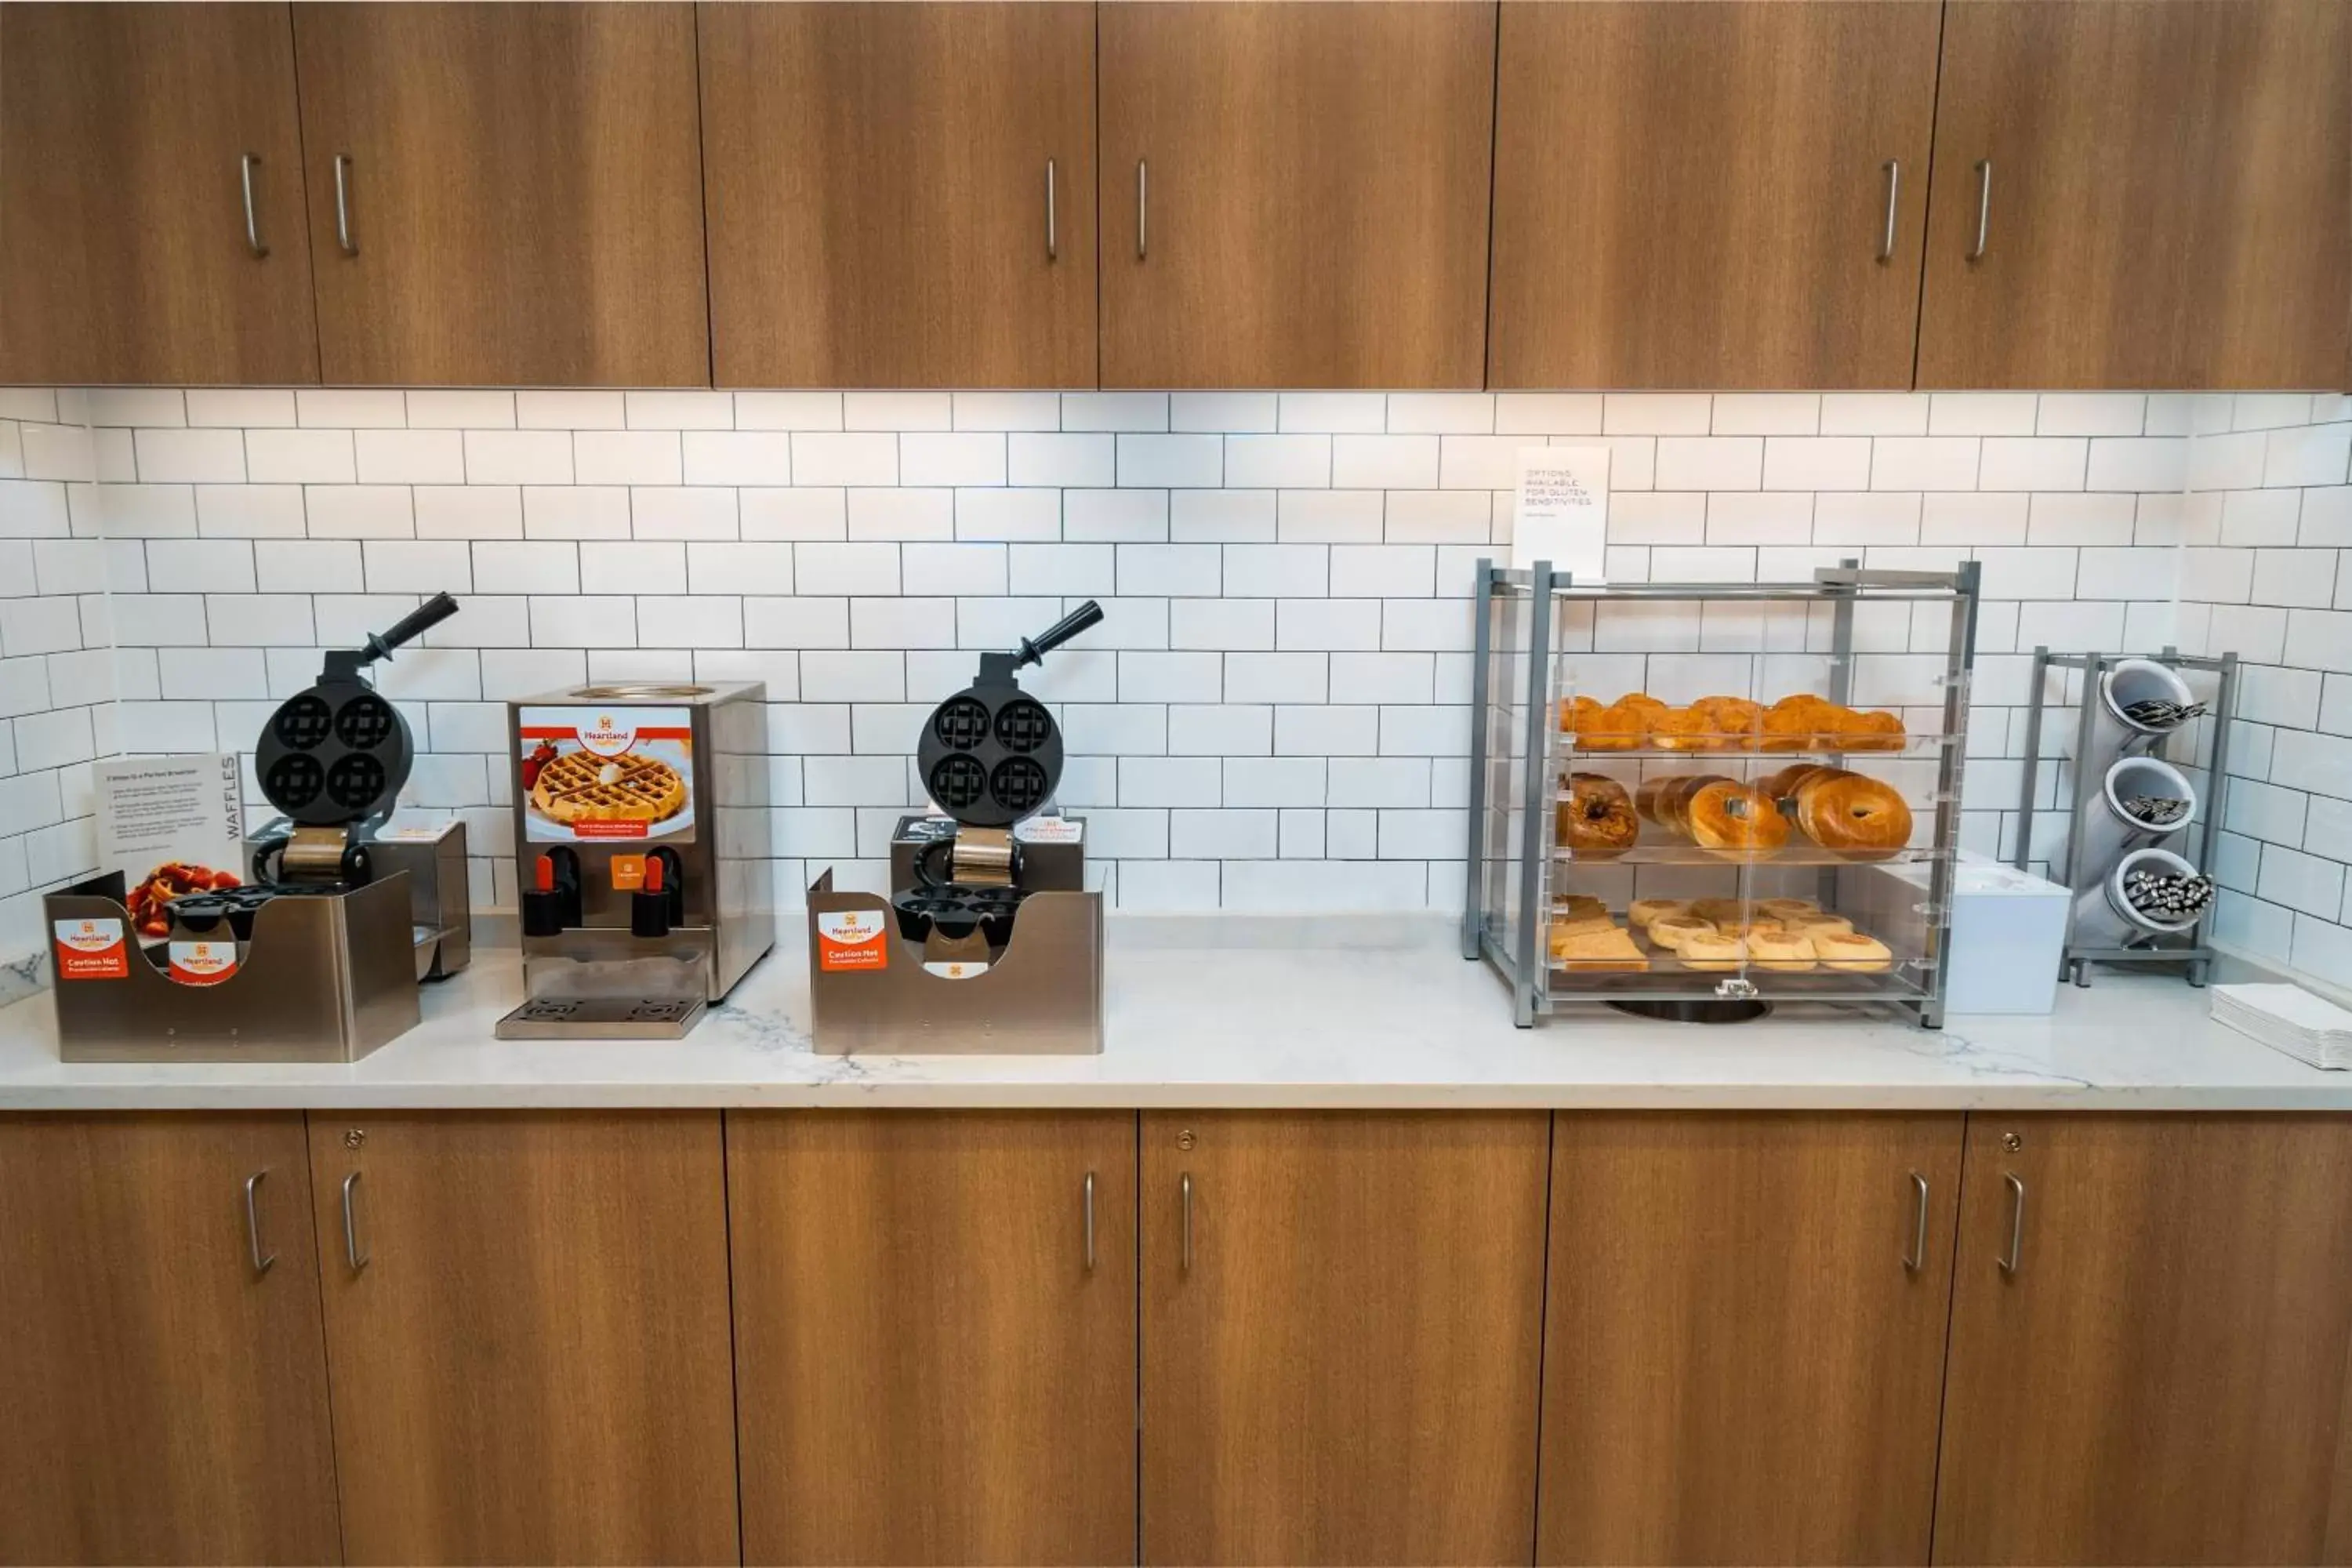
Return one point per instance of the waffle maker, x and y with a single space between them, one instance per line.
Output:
319 957
991 757
332 760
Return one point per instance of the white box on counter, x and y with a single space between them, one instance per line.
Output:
2008 937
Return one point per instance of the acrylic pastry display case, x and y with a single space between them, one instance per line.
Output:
1696 799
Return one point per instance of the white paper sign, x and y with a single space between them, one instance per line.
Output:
1561 514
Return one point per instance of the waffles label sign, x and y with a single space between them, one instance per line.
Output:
590 773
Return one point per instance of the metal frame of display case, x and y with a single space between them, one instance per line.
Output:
1514 839
2196 951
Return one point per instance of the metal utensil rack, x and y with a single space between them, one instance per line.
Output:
1518 758
2189 947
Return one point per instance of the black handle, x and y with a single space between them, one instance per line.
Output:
411 625
1035 648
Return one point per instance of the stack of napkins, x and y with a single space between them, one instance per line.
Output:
2288 1018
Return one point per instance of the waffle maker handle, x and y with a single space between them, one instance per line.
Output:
1034 649
346 663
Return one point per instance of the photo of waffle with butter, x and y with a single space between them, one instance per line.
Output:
573 787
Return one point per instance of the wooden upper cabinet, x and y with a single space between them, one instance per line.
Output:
900 195
1295 194
1744 1339
505 194
1342 1326
2161 1375
935 1335
526 1334
164 1400
2141 193
129 250
1710 193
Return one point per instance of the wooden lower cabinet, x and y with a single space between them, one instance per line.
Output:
2147 1361
1744 1336
1342 1320
527 1332
162 1398
935 1335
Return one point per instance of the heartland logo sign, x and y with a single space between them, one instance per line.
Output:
852 939
606 739
91 950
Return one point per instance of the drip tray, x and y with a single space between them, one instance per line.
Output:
602 1019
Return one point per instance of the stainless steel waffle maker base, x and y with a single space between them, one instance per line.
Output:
318 957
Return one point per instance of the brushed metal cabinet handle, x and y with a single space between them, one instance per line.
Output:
246 164
1984 207
1917 1256
1090 1221
1894 169
2015 1255
343 204
1142 207
1184 1186
1052 241
261 1261
352 1253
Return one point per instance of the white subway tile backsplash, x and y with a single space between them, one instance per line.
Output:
1980 412
684 512
1382 462
883 513
853 457
299 456
1272 565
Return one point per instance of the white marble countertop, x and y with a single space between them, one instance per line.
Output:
1226 1013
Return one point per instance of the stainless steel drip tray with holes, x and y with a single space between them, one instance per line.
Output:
603 1019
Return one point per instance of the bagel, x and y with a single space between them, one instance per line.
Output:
1596 818
1785 909
1795 724
1728 815
1645 798
1852 814
1674 799
1575 712
1738 721
1615 728
1684 729
1877 730
1784 784
1723 911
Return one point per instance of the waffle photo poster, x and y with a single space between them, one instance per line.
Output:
595 773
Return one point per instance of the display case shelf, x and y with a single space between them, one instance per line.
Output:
1685 854
1851 639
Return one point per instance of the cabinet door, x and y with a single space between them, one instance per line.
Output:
130 136
935 1335
902 194
1342 1320
1295 194
530 1358
1710 195
164 1400
2141 193
2161 1376
1744 1341
505 194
